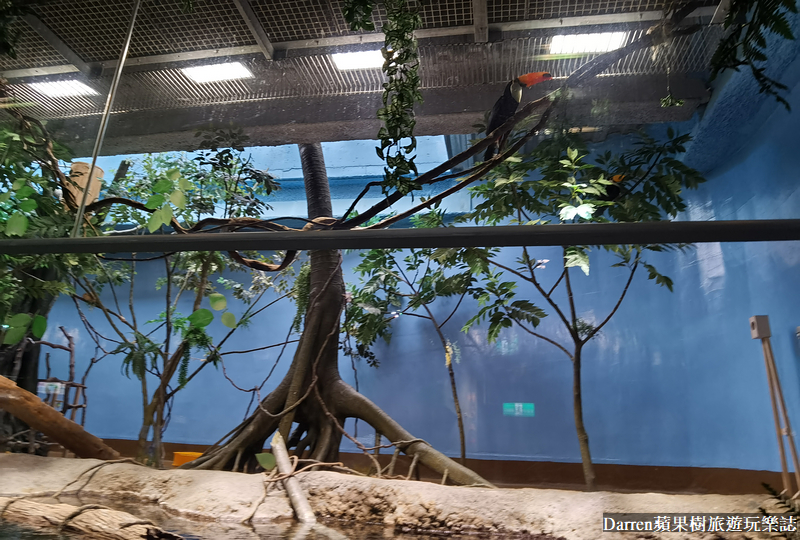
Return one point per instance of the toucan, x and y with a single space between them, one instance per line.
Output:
613 192
506 106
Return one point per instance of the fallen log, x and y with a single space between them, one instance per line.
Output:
42 417
91 520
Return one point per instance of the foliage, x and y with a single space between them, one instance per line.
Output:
358 14
30 207
395 282
189 189
219 183
300 292
747 23
643 184
401 91
10 12
671 101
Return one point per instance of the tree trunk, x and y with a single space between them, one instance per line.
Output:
321 401
583 437
42 417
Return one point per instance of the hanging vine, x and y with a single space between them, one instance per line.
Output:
400 92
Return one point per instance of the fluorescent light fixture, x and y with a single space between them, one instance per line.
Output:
217 72
587 43
63 88
358 60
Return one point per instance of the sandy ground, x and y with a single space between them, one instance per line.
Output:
229 499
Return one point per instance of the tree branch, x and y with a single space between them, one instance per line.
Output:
616 307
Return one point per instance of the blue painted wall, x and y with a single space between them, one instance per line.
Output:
674 379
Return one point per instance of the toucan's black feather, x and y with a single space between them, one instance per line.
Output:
504 108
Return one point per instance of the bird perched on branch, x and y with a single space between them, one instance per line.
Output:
506 106
613 192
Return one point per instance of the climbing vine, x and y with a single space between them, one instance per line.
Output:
400 92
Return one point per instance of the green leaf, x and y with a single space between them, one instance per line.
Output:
567 213
218 302
228 319
20 320
155 221
39 326
166 214
267 461
178 199
201 318
17 224
184 184
14 335
25 192
154 202
163 186
574 256
585 210
5 196
28 205
173 174
18 183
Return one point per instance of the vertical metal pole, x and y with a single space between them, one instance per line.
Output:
98 143
785 414
787 483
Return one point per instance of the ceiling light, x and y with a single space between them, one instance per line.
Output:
358 60
217 72
587 43
63 88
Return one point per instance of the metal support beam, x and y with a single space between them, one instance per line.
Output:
480 20
591 20
55 42
664 232
721 12
253 24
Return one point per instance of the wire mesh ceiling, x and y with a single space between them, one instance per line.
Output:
94 31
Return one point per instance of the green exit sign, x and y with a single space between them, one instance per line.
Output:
517 409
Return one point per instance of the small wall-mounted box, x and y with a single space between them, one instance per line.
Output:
759 327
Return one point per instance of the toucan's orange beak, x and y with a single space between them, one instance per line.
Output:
529 79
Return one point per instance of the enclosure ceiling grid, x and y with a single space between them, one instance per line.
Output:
442 66
501 11
32 50
96 30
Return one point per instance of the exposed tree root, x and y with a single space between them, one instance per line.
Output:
250 436
355 405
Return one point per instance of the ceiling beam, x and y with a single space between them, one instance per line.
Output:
721 12
38 72
354 40
659 232
480 20
253 24
54 41
590 20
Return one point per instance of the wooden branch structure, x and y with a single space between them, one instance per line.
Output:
297 497
42 417
91 520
